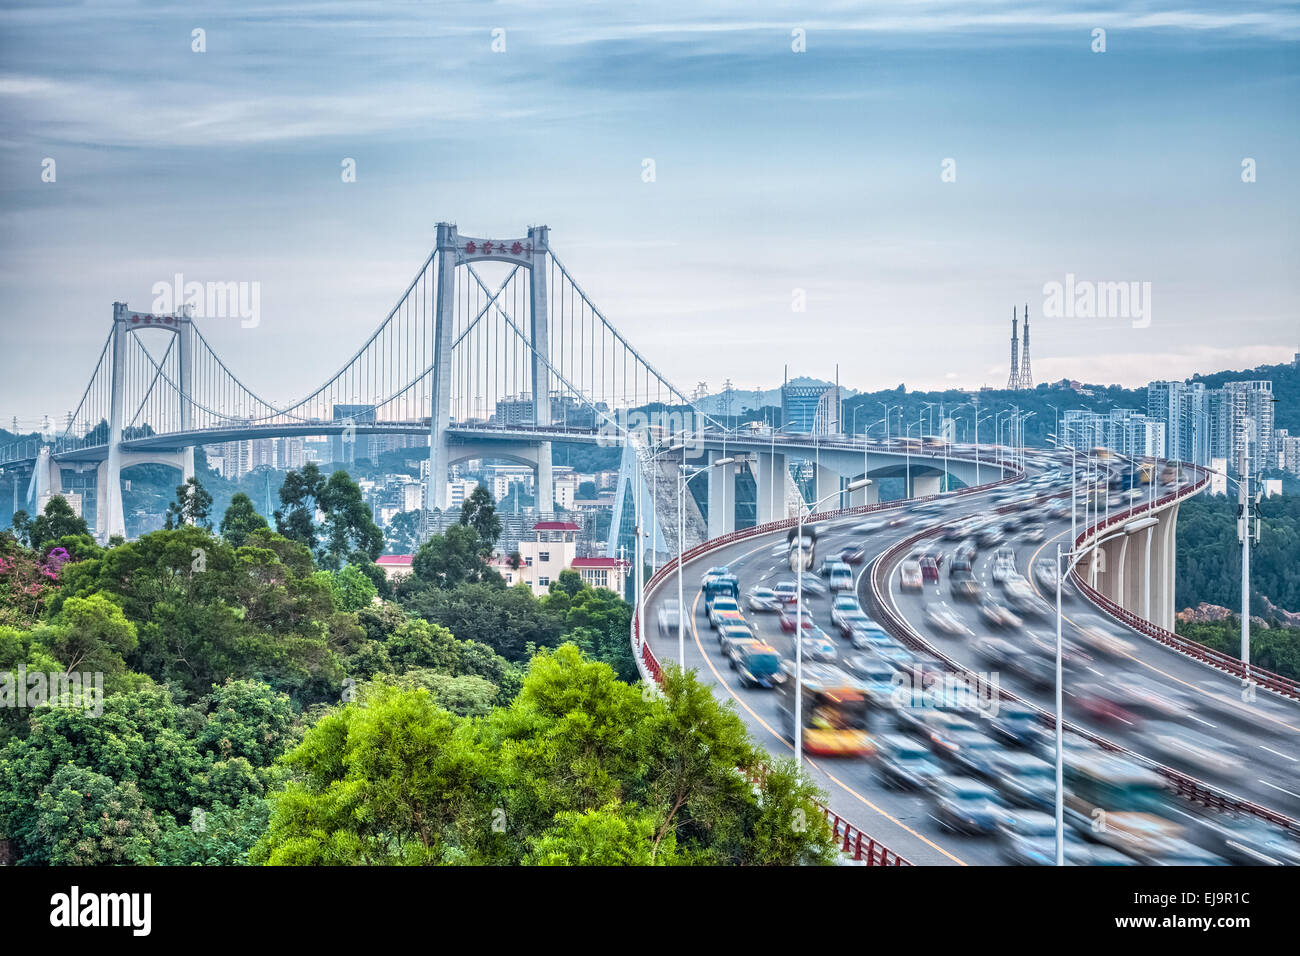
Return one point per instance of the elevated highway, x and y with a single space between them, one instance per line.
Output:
1195 694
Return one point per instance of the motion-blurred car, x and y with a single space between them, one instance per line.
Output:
757 664
732 631
850 621
943 618
966 805
905 763
1022 599
1028 838
788 618
1180 746
763 599
1099 703
963 586
669 617
787 592
853 555
1033 533
970 750
998 615
1004 564
1018 725
1023 779
909 576
820 647
929 570
1097 635
724 609
996 652
871 635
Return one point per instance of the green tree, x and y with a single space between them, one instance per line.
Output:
393 782
452 558
351 587
299 497
85 818
240 519
90 634
349 525
192 506
56 521
403 533
479 512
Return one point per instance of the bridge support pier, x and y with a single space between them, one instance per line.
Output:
925 485
722 497
827 482
544 499
770 476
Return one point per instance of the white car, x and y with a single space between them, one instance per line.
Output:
1094 633
669 617
763 599
939 615
909 576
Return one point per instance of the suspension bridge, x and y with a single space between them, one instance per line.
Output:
492 351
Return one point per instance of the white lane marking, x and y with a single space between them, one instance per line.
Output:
1283 789
1097 672
1205 722
1277 753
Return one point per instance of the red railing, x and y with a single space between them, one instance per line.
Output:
1188 787
1285 686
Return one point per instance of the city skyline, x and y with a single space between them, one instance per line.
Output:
821 191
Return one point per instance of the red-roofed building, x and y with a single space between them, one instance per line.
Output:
553 549
395 566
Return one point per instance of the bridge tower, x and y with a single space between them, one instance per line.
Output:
109 517
453 250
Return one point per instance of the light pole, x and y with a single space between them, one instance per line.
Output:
798 622
682 480
1075 556
1245 506
907 434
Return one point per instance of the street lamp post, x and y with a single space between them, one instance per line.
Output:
798 622
682 480
1075 556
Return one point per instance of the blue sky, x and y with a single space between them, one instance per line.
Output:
775 171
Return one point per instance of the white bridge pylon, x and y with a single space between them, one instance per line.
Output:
455 356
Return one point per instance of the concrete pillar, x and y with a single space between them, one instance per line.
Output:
722 497
1165 610
110 520
769 486
924 485
444 327
828 481
184 332
545 491
539 330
